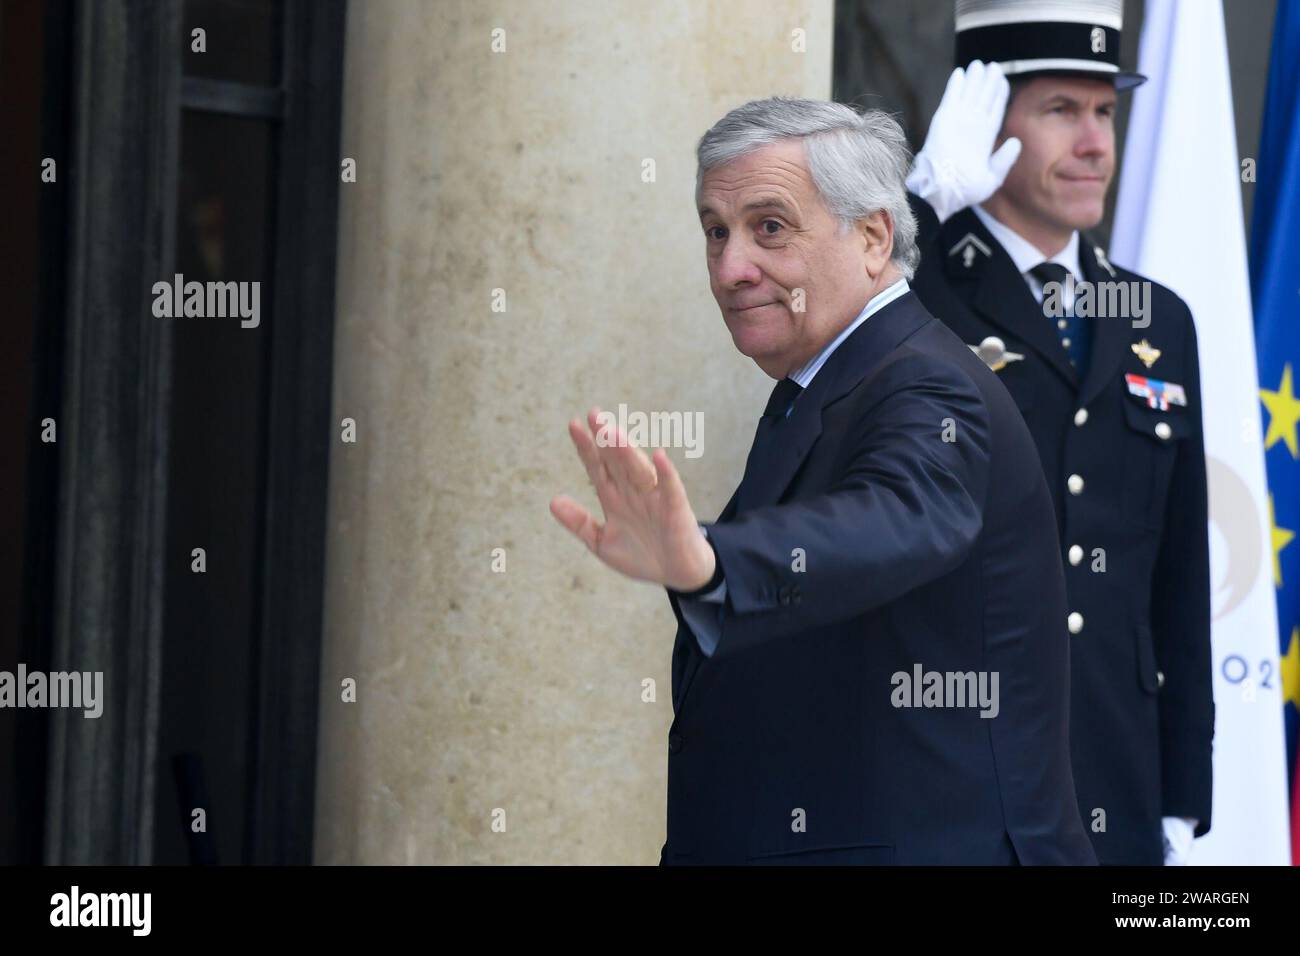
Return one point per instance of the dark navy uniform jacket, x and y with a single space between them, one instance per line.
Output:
908 483
1129 489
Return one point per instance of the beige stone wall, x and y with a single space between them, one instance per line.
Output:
520 171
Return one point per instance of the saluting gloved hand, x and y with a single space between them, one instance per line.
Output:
957 167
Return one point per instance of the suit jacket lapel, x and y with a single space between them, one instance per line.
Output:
729 511
1110 334
778 451
992 283
781 446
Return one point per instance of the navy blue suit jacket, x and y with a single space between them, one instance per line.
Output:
909 484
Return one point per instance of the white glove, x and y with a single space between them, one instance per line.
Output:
1179 833
957 167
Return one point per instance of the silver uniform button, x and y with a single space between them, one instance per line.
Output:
1075 484
1075 622
1160 678
1065 343
1060 323
1081 416
1076 554
1163 431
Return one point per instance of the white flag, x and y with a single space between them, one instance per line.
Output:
1178 221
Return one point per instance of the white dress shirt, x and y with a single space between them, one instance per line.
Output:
1026 255
881 299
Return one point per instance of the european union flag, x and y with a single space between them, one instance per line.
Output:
1275 288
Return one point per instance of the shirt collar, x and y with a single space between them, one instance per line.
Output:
1024 253
881 299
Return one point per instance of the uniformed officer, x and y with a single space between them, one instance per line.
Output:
1103 365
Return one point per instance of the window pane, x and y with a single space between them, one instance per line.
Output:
225 225
242 39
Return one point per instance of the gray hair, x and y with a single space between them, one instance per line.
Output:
858 161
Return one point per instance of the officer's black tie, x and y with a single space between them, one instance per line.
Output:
1075 333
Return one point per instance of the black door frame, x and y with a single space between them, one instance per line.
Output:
127 94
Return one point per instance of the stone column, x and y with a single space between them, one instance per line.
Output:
520 244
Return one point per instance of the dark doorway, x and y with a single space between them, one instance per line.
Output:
174 534
34 51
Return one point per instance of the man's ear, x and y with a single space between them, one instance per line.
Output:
877 232
1003 134
1016 86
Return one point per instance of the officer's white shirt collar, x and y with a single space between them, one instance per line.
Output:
877 302
1026 255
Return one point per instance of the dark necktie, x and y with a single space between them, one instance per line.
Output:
1075 333
782 397
768 438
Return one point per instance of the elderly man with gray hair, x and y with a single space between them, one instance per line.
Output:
871 662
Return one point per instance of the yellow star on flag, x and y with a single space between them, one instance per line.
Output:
1281 538
1283 414
1290 670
